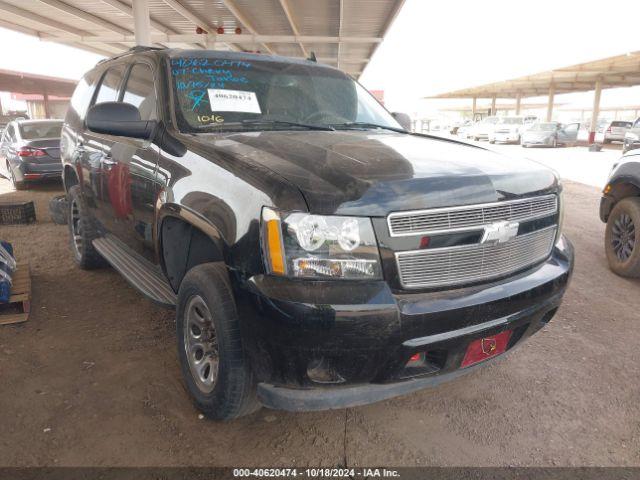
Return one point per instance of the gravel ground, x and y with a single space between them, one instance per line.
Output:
92 379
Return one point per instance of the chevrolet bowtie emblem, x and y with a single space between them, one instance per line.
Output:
500 232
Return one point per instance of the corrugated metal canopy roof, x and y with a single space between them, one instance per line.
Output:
344 33
29 83
618 71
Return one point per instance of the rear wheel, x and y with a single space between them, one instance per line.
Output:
214 365
16 184
82 232
621 238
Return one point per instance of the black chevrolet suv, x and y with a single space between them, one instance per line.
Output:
317 254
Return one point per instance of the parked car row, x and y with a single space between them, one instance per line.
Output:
30 151
525 130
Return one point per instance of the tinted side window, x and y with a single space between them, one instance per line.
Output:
140 91
82 95
637 124
108 91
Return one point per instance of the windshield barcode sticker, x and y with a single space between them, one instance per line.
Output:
233 101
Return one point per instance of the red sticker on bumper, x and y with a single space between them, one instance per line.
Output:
485 348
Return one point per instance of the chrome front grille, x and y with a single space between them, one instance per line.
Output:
473 263
471 217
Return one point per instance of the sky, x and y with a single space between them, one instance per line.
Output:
438 46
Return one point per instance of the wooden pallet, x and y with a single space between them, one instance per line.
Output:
19 306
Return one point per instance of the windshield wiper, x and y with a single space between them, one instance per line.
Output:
258 122
309 126
366 125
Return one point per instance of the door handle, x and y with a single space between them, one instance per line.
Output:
108 161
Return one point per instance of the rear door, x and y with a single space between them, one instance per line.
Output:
130 170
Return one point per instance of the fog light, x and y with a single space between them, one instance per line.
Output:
415 358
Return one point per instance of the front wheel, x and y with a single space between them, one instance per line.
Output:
621 246
214 365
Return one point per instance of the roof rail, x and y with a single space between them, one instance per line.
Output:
134 49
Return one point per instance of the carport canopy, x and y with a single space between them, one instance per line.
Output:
339 32
613 72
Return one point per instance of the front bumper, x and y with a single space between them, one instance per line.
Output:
321 345
506 137
537 141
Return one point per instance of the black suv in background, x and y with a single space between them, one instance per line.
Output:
620 210
317 254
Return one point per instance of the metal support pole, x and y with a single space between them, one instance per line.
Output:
552 93
47 109
518 99
493 105
473 108
142 22
595 112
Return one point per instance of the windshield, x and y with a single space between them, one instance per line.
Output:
215 90
621 124
544 127
33 131
512 121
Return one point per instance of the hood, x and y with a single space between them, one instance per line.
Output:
373 173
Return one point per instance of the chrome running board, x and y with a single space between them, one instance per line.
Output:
139 272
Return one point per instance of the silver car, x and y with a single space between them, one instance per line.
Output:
613 131
550 134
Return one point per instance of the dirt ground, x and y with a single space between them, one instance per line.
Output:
92 379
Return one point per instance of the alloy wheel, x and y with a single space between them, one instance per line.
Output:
76 227
623 237
201 344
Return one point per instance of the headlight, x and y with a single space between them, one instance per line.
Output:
303 245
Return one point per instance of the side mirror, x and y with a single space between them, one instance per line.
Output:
120 119
403 119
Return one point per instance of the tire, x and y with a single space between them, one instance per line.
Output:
59 209
17 185
222 386
622 242
82 232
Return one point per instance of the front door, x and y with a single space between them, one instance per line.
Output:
568 134
129 171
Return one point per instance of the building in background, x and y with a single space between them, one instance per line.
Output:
35 107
